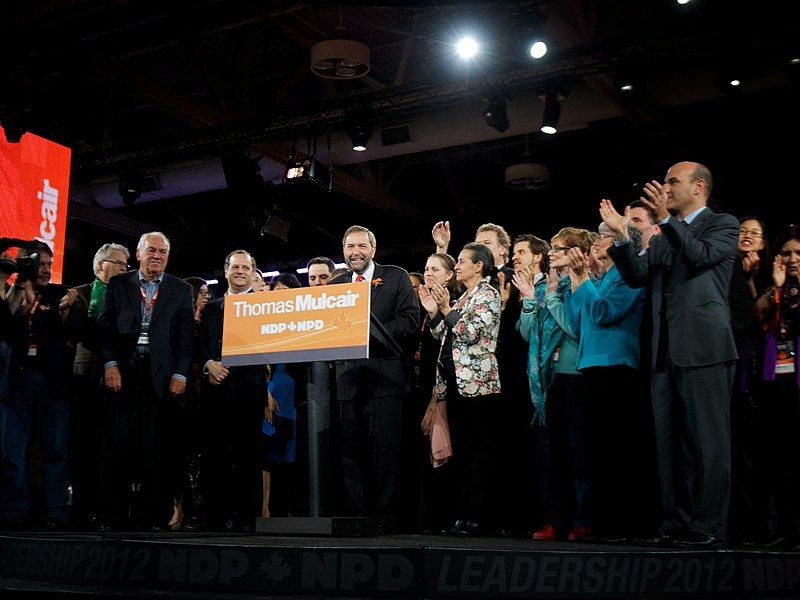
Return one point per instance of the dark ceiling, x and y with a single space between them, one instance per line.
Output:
161 87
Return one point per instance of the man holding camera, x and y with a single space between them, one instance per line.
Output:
39 332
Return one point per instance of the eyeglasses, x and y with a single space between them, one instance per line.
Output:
560 248
205 293
119 263
604 236
757 233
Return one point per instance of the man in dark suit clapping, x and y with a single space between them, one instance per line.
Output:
146 322
371 390
688 271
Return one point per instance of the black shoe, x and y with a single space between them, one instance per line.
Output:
55 524
229 525
103 527
663 540
468 529
453 528
698 539
194 524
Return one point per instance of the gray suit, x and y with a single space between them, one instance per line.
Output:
688 271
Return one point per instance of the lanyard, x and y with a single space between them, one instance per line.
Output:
32 312
147 307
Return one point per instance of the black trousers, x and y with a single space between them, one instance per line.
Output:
473 434
138 426
691 413
371 441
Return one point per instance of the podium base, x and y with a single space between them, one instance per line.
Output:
325 526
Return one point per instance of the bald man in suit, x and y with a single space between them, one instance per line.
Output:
687 271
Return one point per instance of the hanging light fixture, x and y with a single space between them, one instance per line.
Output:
340 57
552 111
527 175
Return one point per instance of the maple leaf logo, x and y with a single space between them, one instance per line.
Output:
342 322
275 568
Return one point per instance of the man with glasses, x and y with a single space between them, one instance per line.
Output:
86 410
147 330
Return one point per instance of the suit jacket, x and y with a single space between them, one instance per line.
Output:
170 329
688 271
89 339
209 347
395 305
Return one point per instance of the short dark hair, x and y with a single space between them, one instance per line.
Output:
228 258
322 260
537 246
290 280
359 229
640 204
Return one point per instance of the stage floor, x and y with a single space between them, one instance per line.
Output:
205 565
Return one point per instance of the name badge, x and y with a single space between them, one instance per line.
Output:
556 354
144 336
785 358
32 350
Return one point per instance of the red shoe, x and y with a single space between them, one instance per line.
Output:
580 533
546 533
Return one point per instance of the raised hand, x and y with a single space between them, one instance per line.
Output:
524 286
441 235
656 200
778 272
617 223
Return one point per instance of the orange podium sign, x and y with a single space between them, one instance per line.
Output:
327 322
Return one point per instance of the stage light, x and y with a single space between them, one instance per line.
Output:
495 112
360 134
552 111
684 1
735 82
130 187
538 49
467 47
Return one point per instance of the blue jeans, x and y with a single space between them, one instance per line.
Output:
32 412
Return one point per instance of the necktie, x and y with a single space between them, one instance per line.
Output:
359 278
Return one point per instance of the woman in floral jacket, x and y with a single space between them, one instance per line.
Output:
467 377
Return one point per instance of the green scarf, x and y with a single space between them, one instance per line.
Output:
96 302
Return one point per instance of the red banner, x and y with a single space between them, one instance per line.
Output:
34 186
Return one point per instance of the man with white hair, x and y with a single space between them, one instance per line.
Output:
86 412
146 349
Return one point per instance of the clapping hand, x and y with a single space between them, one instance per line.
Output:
656 201
750 262
442 297
617 223
578 267
552 281
524 286
427 300
778 272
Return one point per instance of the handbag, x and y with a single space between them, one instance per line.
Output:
434 425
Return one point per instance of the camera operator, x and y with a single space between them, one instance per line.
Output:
40 326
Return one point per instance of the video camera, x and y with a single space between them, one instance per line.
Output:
26 267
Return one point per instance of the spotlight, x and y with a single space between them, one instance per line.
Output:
467 47
130 186
629 86
552 111
684 1
360 133
495 112
538 49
